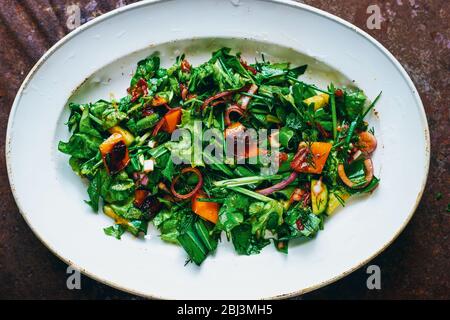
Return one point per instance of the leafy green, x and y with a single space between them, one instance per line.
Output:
309 222
127 210
80 145
267 215
117 188
146 69
354 100
245 242
232 211
94 192
115 231
112 117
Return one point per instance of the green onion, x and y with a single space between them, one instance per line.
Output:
333 111
243 172
371 105
217 165
245 181
158 151
203 234
97 120
252 194
194 247
272 119
217 200
351 129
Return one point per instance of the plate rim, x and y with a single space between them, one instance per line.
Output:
291 3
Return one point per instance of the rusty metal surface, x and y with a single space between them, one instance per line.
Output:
416 265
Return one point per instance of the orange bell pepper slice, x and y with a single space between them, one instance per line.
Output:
158 101
171 120
139 197
115 163
315 160
207 210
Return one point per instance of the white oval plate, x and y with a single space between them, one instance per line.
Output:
104 51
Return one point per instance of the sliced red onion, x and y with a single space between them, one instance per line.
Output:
233 108
144 180
215 97
246 99
299 162
194 191
368 170
279 186
140 178
249 68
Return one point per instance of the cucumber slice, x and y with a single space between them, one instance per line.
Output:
319 196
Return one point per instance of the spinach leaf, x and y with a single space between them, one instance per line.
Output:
127 210
86 126
94 192
293 121
97 108
117 188
80 145
115 231
146 69
300 222
112 116
167 222
245 242
266 215
75 116
90 167
75 164
232 212
353 103
169 170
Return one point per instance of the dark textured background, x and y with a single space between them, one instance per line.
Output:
417 265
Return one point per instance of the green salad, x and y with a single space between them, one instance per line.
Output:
249 150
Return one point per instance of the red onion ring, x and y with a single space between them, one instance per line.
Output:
246 99
184 91
279 186
215 97
194 191
299 161
230 109
249 68
368 170
158 126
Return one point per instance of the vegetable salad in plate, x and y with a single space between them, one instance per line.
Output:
248 150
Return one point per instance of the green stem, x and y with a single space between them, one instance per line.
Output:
95 119
333 111
217 200
371 105
338 144
217 165
252 194
351 129
309 85
158 151
256 96
141 139
272 119
245 181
